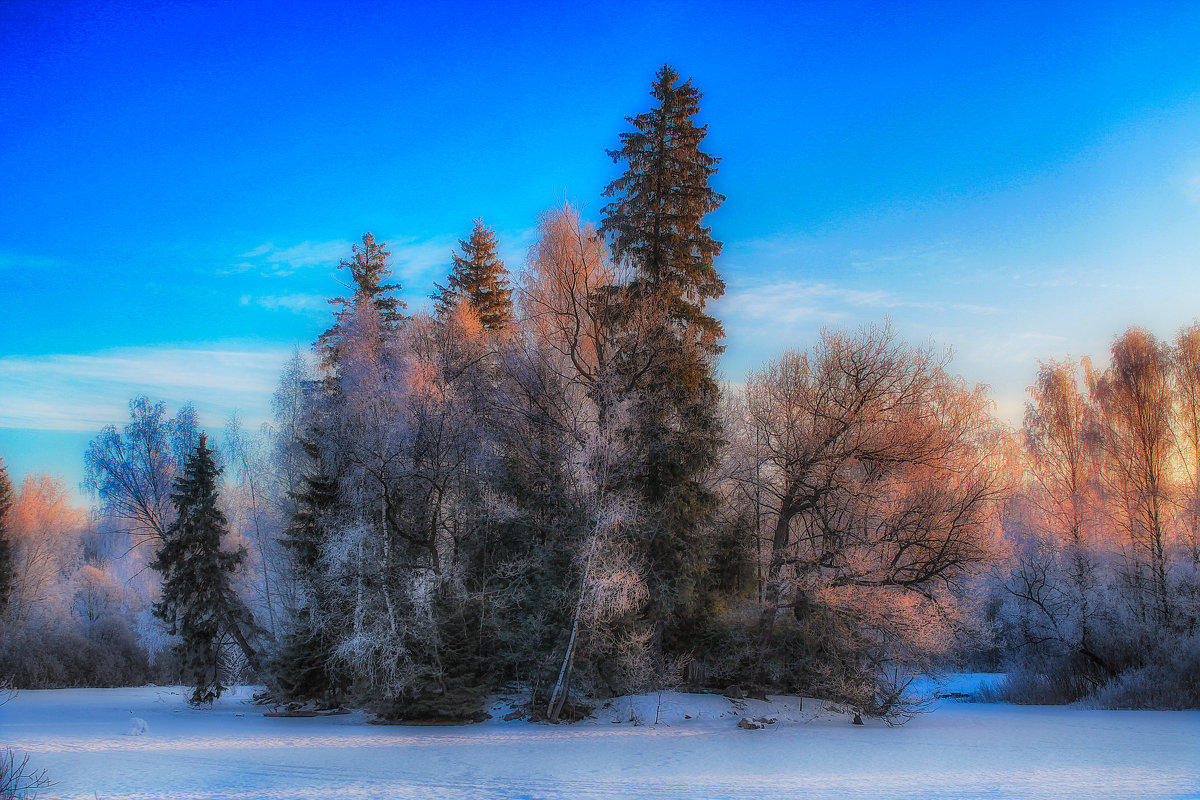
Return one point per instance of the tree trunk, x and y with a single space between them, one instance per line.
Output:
559 696
235 631
772 598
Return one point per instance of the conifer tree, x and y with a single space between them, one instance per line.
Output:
6 554
453 688
369 271
655 223
480 278
303 667
198 601
667 342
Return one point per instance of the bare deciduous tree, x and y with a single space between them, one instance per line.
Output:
562 301
44 527
130 471
1134 397
1186 368
880 471
252 511
1058 431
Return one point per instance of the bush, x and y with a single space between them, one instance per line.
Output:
1166 676
1169 681
1026 686
61 657
17 780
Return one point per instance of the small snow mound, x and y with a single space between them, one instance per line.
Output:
137 727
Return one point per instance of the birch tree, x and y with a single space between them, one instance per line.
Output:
1059 571
1134 396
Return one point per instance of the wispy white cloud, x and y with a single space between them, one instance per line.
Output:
1002 349
271 260
421 261
413 258
514 247
1073 278
786 245
934 254
840 253
313 305
795 301
85 392
791 301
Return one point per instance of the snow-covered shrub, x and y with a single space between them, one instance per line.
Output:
1042 683
1170 679
158 643
1099 599
58 655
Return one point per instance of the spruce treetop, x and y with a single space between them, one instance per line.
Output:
480 278
655 223
199 480
369 271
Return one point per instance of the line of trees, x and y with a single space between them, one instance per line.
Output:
70 611
543 481
1102 594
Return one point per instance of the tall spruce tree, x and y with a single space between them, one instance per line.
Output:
655 228
369 272
198 601
655 223
6 553
479 278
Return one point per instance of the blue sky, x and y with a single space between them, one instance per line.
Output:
179 180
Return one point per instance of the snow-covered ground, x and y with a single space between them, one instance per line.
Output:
85 739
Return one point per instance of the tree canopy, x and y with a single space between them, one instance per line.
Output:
480 279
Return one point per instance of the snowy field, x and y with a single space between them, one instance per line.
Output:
86 740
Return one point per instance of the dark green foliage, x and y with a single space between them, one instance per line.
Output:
537 551
531 633
726 586
667 341
478 277
198 601
655 222
6 554
733 571
678 447
303 667
369 271
814 653
453 686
